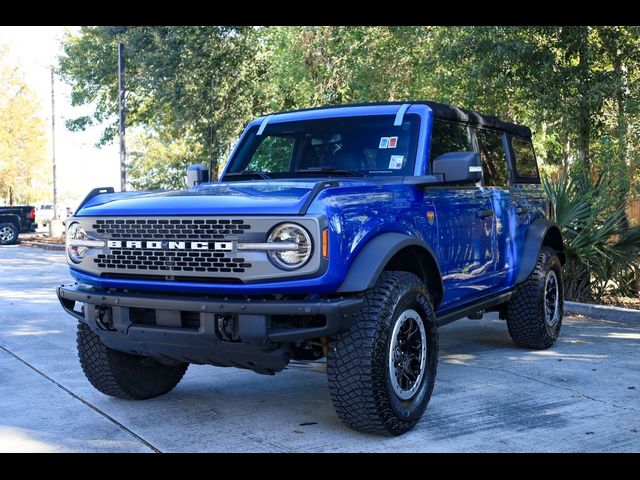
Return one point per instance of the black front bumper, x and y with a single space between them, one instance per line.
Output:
259 347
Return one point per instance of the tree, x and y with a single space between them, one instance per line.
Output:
181 81
24 177
575 86
157 162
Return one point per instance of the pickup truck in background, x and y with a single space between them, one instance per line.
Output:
15 220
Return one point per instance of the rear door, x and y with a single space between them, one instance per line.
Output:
510 203
529 199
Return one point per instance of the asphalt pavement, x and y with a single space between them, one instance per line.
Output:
582 395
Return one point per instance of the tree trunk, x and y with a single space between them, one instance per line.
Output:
565 149
621 94
10 196
577 282
584 112
622 127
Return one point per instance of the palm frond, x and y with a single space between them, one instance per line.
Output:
601 249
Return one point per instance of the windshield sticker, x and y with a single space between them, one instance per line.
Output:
384 142
396 162
393 142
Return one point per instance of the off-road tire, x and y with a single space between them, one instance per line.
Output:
124 375
526 311
12 231
357 367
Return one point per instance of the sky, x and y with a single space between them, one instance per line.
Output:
81 166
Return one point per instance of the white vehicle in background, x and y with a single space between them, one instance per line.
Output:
44 214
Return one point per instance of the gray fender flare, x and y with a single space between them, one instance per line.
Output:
374 256
538 230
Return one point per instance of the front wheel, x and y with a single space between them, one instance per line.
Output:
124 375
534 313
382 371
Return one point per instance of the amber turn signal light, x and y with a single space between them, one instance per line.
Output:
325 242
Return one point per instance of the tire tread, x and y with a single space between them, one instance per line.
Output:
525 314
354 387
106 370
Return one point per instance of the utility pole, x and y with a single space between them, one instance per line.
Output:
53 144
212 163
121 110
56 226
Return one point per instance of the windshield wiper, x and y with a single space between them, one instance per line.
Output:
353 173
248 173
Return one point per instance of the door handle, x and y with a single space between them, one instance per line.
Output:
484 213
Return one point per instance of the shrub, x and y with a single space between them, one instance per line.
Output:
602 250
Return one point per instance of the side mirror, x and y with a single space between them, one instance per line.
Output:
458 167
196 174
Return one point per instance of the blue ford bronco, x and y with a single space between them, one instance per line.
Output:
345 233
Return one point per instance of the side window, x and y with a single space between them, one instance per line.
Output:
449 137
272 155
525 161
494 160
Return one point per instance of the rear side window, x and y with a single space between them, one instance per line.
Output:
449 137
525 159
494 160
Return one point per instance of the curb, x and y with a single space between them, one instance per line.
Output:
44 246
604 312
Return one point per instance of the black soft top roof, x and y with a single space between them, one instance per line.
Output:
444 111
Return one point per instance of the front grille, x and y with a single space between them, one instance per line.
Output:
164 248
132 262
179 229
162 260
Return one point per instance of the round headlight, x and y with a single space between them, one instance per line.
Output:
76 232
299 242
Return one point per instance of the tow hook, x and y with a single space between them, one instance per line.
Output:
103 317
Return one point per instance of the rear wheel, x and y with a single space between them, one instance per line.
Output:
382 371
534 314
8 233
123 375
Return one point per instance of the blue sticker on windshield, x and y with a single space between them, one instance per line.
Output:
384 142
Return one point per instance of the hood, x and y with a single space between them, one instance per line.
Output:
231 198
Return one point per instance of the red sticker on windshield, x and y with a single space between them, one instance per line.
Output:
393 142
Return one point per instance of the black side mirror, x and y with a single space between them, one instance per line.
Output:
458 167
196 174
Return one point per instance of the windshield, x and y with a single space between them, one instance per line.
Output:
345 146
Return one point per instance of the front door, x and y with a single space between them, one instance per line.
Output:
465 224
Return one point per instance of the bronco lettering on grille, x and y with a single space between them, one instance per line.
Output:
170 245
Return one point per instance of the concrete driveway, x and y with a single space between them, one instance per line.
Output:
582 395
